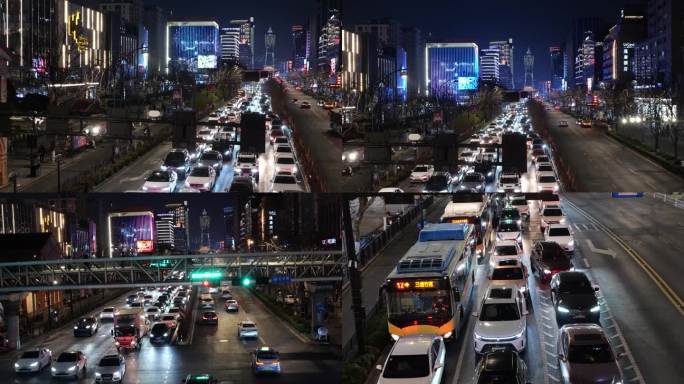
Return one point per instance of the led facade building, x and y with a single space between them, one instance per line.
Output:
557 68
165 230
619 46
300 55
82 33
506 62
245 41
192 45
352 64
489 66
230 44
29 28
270 41
451 68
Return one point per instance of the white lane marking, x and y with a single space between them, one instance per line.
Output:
608 252
459 362
586 263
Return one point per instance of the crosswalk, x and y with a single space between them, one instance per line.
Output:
585 227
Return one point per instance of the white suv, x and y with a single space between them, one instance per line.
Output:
561 234
414 359
501 320
505 250
552 214
509 182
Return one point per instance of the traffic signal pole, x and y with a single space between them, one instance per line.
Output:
354 278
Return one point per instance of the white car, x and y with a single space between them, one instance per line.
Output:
108 313
201 178
509 182
391 190
290 299
283 149
207 303
421 173
206 134
226 294
69 364
505 250
161 181
509 230
111 368
152 312
561 234
552 214
547 183
285 182
33 360
501 319
414 359
232 306
247 328
285 162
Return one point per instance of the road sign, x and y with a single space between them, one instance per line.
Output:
627 195
281 279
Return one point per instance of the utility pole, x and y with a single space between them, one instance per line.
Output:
354 278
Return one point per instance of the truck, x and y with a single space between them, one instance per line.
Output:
130 326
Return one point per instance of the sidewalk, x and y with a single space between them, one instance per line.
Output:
47 178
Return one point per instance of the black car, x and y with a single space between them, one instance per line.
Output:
200 379
439 182
161 333
547 259
243 184
511 214
501 365
574 299
208 317
212 159
86 326
179 302
177 160
131 299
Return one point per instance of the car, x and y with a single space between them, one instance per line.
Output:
508 272
414 359
161 181
439 182
153 313
521 205
201 178
86 326
501 319
247 329
69 364
226 294
472 182
586 123
243 184
283 148
290 299
212 159
502 365
275 133
159 304
421 173
467 156
509 230
285 162
305 105
232 306
281 140
574 298
110 369
206 134
391 190
247 164
585 355
176 311
200 379
536 153
285 182
509 182
136 304
162 333
561 234
208 317
551 214
170 319
545 168
505 250
33 360
108 313
131 298
510 214
542 160
547 183
177 160
547 259
563 124
206 303
265 360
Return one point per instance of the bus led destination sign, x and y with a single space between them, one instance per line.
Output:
415 284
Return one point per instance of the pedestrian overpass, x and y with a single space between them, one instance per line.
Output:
141 271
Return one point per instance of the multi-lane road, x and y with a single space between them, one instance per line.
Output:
628 247
602 164
214 349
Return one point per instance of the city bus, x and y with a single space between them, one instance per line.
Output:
474 210
430 289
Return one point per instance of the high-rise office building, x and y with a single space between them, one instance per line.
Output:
320 16
230 44
300 55
246 41
506 62
489 66
580 26
181 236
270 42
29 29
557 68
205 228
155 19
619 46
413 42
165 230
452 69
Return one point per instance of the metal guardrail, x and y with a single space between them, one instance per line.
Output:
675 200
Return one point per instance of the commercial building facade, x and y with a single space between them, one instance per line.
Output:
192 45
489 66
451 68
506 62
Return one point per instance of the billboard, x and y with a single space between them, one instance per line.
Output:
467 83
192 45
131 233
207 61
450 67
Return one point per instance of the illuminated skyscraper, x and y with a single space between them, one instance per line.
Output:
529 69
557 77
246 41
489 66
451 68
300 55
205 225
506 60
270 40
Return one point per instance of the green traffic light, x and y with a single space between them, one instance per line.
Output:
206 275
246 282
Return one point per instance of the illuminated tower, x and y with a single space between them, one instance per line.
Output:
205 222
269 60
529 69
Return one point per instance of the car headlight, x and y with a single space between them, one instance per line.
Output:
53 369
207 184
16 365
166 334
116 375
519 334
97 375
87 326
547 271
75 327
164 167
595 309
72 368
571 243
477 337
562 309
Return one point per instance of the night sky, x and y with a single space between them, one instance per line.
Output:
279 14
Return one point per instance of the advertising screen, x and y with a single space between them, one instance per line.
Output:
131 233
467 83
206 61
